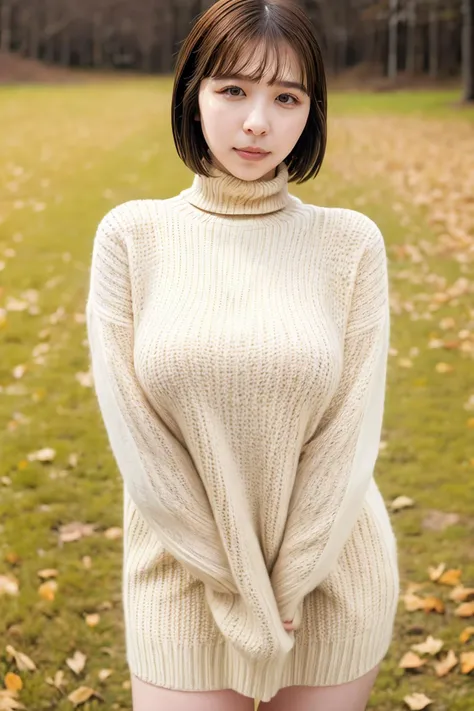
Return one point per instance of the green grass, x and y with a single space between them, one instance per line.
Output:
426 104
71 153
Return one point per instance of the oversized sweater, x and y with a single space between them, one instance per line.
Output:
239 342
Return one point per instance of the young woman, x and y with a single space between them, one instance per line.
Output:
239 343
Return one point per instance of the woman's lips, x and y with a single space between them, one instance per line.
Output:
251 156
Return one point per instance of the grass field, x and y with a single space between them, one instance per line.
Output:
70 153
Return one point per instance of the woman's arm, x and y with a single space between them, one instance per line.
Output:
337 463
157 469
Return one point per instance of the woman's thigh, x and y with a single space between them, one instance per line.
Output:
146 697
352 696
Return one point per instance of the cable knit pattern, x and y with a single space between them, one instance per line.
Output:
239 341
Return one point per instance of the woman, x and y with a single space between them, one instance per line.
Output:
239 344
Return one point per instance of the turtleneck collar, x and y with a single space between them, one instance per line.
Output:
224 194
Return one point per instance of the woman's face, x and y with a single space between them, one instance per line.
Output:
237 113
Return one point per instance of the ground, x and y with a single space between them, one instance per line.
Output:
72 152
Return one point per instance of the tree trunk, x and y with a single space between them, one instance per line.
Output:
97 45
393 40
468 50
6 27
411 47
433 41
65 48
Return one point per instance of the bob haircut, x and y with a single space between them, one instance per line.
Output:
222 38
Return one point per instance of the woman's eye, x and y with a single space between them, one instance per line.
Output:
288 96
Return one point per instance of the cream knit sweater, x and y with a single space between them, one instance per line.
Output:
239 340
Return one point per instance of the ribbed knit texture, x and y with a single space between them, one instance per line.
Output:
239 341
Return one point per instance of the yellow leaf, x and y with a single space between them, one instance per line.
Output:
470 423
436 573
461 594
411 661
13 682
450 577
92 620
466 635
444 368
444 666
81 695
465 610
433 604
48 590
467 662
417 702
12 557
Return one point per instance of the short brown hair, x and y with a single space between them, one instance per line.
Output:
219 39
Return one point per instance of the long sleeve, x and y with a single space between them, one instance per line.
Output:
159 472
337 463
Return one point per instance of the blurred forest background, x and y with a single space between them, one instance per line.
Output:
430 39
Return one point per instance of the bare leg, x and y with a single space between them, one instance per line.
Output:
352 696
146 697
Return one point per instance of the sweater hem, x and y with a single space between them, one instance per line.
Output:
218 667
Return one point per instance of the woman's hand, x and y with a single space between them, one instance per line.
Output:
288 626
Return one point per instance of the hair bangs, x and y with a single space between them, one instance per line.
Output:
236 54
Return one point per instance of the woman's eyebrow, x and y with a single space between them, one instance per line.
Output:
244 77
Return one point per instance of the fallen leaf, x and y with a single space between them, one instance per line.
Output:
417 702
450 577
467 662
465 610
22 661
429 646
47 573
58 680
412 602
401 502
436 573
445 665
48 590
92 620
8 585
13 682
104 674
444 368
42 455
75 530
76 662
433 604
466 635
82 694
8 701
411 661
113 533
461 594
